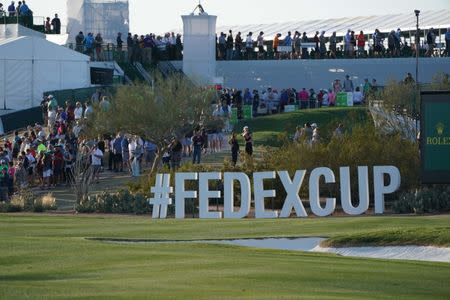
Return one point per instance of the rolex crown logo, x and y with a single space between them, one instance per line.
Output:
440 128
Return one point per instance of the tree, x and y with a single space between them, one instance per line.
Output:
173 107
81 174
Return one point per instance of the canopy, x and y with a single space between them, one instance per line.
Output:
29 66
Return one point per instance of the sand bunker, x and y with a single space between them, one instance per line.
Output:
312 244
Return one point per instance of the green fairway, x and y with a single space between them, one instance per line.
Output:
268 129
46 257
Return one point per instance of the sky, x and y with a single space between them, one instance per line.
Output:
160 16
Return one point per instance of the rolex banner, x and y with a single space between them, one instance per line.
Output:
435 137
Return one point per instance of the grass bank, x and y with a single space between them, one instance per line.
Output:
49 257
270 130
419 236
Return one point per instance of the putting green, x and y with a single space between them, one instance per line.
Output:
46 256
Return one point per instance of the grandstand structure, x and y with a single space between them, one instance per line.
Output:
437 19
107 17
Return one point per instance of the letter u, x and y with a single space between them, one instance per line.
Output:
363 186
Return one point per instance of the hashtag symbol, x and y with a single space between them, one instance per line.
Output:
161 196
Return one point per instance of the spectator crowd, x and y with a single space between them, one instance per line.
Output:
272 100
22 10
49 155
299 46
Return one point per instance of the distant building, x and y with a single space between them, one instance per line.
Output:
107 17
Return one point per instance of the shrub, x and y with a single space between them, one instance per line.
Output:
22 201
427 200
364 146
119 202
46 202
49 202
25 200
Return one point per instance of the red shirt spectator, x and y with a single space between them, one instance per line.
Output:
361 40
303 95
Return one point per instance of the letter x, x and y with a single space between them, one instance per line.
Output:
292 187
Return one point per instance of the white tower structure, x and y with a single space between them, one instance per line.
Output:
199 46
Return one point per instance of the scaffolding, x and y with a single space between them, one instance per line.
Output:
107 17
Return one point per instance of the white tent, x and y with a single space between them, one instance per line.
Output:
30 66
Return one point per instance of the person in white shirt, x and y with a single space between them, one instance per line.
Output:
51 117
96 164
325 101
41 133
77 129
357 96
249 46
78 112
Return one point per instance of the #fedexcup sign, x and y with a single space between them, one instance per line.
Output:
162 190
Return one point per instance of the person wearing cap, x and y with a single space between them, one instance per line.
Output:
246 134
315 137
52 103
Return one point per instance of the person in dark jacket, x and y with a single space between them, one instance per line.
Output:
234 148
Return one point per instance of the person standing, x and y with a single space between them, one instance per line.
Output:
197 142
333 43
12 9
79 40
229 46
361 44
56 23
176 151
238 46
322 47
96 163
248 141
234 148
48 25
348 84
249 46
447 42
275 44
260 44
431 42
98 42
119 44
